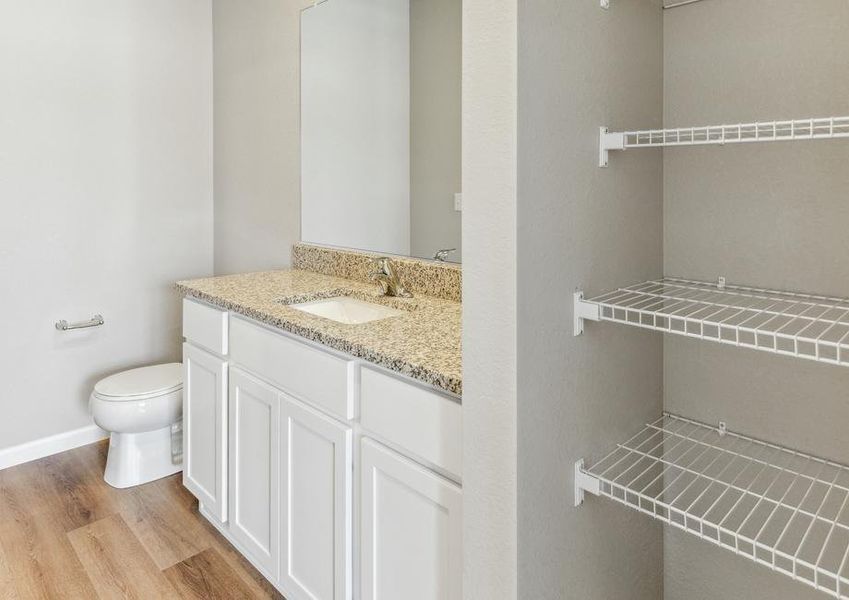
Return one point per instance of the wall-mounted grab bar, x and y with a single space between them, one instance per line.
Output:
95 321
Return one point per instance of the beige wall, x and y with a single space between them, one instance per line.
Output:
489 300
435 95
257 132
771 215
581 67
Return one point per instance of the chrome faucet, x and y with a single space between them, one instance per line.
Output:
388 280
441 255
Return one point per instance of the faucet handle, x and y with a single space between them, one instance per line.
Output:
382 264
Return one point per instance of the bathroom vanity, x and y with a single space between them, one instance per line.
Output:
328 454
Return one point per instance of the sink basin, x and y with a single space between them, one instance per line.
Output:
348 310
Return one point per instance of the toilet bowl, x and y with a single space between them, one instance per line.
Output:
139 408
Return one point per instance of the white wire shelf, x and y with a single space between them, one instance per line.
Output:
792 324
778 507
824 128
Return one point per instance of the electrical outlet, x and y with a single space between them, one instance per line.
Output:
458 202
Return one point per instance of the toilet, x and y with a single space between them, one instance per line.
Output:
142 410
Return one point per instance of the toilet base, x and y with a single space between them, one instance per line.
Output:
137 458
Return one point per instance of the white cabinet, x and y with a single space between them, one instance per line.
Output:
317 516
411 538
255 470
269 448
205 429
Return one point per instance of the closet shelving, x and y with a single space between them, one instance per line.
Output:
823 128
780 508
792 324
772 505
775 506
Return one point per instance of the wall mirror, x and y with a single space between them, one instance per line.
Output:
380 126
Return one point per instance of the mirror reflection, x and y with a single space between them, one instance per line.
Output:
380 126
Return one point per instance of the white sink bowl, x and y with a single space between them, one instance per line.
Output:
348 310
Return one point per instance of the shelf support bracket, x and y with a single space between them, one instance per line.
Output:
606 142
584 483
584 310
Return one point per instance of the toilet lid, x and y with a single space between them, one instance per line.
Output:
145 381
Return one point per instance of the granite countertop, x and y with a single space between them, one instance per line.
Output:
423 343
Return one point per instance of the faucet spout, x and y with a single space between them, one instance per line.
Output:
387 279
442 255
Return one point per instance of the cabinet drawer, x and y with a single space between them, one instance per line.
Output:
317 377
205 326
424 422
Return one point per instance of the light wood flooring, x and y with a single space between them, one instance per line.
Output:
64 533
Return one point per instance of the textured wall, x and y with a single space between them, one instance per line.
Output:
489 299
106 194
770 215
581 67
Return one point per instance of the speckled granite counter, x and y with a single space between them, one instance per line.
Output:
423 344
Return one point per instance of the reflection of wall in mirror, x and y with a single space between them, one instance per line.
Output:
435 82
381 98
355 115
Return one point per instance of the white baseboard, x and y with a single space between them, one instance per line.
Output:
54 444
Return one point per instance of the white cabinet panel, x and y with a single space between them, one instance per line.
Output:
205 326
205 429
316 512
255 469
411 529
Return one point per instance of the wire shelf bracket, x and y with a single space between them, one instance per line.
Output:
583 310
585 483
780 508
607 142
824 128
787 323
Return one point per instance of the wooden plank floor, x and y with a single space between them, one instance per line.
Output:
64 533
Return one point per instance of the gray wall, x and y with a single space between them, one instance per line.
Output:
435 72
771 215
105 192
257 132
581 67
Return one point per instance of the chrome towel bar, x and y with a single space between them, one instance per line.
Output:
95 321
681 3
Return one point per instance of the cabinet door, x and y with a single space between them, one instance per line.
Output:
205 429
411 529
255 470
317 515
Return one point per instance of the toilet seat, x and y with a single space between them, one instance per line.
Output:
140 384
